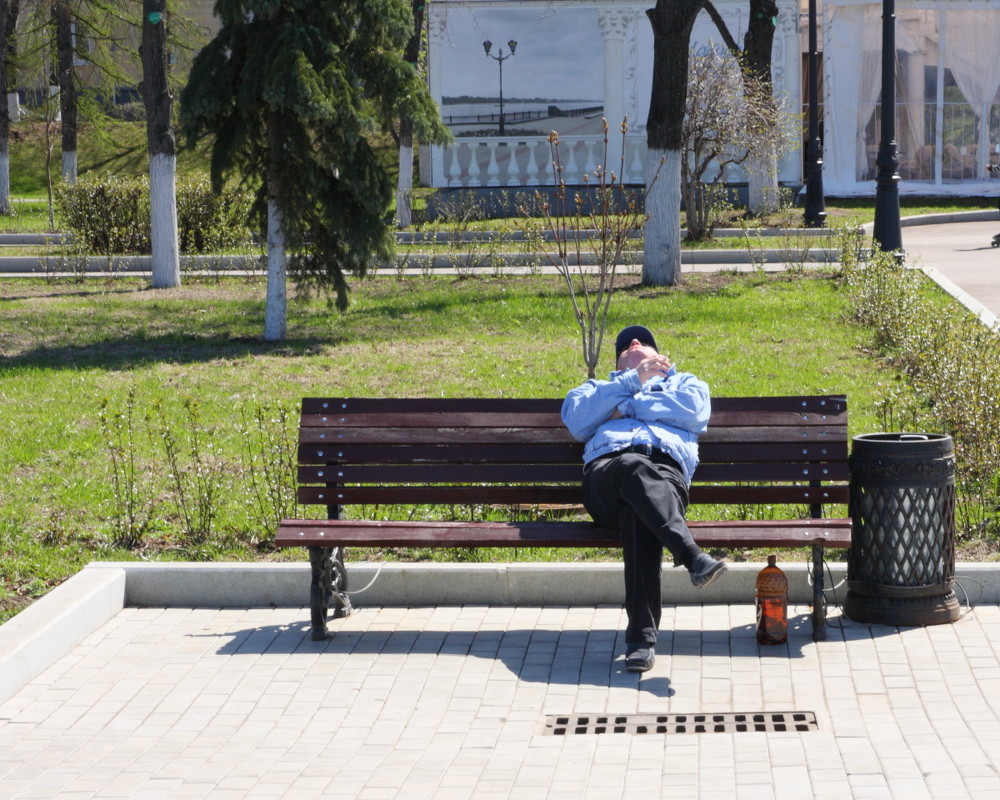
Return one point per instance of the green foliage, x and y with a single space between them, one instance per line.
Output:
292 90
951 367
110 215
132 504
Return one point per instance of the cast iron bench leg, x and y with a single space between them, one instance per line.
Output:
819 599
329 582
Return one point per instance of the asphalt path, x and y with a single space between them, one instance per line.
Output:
962 254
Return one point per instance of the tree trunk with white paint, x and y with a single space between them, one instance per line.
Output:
661 260
68 171
158 101
5 116
166 262
762 177
276 311
404 184
672 21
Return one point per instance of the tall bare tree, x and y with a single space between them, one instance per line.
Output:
755 59
729 121
672 21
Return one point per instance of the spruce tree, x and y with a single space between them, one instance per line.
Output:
291 91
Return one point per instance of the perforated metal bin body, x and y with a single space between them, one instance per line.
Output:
901 564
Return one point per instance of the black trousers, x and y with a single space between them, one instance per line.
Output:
645 496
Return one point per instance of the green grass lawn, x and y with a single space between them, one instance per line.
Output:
64 348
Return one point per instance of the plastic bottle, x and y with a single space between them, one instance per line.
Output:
772 604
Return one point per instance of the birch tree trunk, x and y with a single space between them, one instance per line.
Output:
672 21
404 184
276 310
166 267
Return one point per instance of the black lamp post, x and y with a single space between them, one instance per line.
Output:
886 231
815 210
500 59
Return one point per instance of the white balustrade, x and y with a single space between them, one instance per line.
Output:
528 161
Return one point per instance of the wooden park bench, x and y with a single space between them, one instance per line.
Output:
758 452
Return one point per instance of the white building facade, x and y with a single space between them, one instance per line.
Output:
582 60
597 55
947 95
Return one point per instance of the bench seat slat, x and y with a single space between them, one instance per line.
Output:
370 533
535 494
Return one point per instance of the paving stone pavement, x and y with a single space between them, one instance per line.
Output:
450 702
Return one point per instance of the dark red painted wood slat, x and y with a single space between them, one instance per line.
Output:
391 436
473 419
311 405
328 533
551 473
521 495
566 453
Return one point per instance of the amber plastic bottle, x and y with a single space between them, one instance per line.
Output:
772 604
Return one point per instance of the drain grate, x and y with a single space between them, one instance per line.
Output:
772 722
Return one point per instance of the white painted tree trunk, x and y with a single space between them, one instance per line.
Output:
764 196
276 311
4 183
661 260
166 263
404 186
69 166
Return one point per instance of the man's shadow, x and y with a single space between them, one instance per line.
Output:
574 657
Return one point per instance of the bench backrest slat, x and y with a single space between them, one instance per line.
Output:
556 495
517 451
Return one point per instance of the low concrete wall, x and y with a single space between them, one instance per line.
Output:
52 626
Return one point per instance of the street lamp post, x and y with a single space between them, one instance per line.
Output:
500 58
815 210
886 230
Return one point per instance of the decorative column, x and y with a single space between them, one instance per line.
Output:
438 28
616 25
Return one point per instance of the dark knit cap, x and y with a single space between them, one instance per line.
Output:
634 332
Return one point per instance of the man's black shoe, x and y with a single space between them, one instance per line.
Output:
639 657
705 570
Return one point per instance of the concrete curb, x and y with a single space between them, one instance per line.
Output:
53 625
981 312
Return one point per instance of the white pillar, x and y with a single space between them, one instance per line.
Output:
616 26
438 25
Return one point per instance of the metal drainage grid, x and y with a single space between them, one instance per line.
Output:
731 722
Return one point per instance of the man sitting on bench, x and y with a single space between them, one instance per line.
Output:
641 432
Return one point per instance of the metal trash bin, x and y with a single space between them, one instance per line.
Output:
901 564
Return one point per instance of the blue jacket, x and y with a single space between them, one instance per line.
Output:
668 412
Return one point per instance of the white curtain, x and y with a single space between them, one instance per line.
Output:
853 87
870 39
971 55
